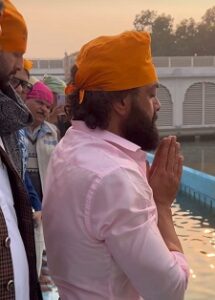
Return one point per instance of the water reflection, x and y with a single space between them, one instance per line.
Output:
195 225
199 155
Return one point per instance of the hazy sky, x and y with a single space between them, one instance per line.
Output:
56 26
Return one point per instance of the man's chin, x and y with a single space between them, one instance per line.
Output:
40 119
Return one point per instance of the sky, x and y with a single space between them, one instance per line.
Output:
59 26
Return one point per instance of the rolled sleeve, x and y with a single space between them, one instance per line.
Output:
124 215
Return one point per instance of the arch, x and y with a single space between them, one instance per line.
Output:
199 104
165 115
209 98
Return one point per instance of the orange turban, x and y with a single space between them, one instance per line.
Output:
27 65
14 30
69 89
114 63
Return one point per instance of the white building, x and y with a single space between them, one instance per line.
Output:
48 66
187 94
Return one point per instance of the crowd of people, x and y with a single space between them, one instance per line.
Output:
80 207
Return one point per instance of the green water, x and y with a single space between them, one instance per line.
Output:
195 225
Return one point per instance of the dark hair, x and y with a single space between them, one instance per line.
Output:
95 110
73 71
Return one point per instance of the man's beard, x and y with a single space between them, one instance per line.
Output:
5 79
140 129
4 82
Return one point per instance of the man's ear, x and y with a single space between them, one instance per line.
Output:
122 107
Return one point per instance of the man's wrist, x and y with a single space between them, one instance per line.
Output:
163 208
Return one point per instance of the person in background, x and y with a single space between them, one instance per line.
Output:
110 211
57 115
20 82
41 138
67 108
57 86
70 88
18 276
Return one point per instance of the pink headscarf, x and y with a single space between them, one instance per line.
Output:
40 92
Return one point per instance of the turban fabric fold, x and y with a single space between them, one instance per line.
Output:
114 63
40 92
27 65
14 31
55 84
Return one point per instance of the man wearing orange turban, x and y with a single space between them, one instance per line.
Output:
13 41
108 208
18 275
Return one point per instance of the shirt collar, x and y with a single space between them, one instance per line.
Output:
38 132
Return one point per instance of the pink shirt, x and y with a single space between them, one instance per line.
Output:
100 223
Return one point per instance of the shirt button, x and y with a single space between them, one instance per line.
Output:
7 242
10 286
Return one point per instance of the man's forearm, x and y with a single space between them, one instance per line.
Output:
167 229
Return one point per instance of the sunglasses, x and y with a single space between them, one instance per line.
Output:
26 86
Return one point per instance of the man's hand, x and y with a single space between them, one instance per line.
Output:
166 170
164 178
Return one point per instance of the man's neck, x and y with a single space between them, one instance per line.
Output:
34 126
114 127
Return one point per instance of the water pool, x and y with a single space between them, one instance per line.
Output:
195 225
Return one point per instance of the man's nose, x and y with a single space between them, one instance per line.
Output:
45 108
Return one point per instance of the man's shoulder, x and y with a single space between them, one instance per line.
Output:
95 155
51 129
